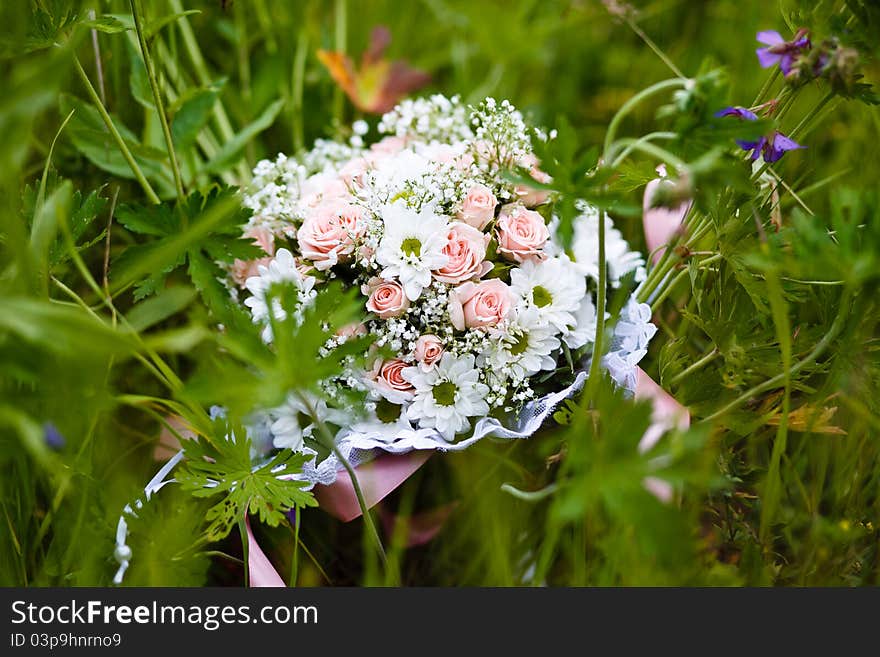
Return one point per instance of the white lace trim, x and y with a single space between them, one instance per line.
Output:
629 345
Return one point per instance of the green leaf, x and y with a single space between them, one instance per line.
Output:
90 136
194 110
230 151
54 210
158 220
84 214
107 24
223 467
169 302
62 329
138 82
156 25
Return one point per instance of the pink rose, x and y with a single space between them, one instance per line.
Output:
521 233
387 146
263 238
428 350
529 196
244 269
354 330
327 235
478 207
387 378
352 173
322 188
479 304
465 251
386 298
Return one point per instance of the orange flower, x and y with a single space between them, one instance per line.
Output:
378 84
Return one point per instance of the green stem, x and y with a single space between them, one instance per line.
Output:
653 46
157 98
765 87
629 105
630 143
297 83
678 278
817 351
341 27
330 443
120 142
600 307
693 367
294 568
660 153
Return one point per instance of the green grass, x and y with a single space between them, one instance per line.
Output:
109 307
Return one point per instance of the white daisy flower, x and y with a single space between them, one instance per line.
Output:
447 395
292 422
585 248
388 432
524 347
281 270
412 246
583 331
553 286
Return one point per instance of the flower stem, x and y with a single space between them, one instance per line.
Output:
340 30
157 98
330 443
629 105
629 145
120 142
600 306
297 84
653 46
693 367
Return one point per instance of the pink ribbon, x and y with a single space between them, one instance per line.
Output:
261 572
377 479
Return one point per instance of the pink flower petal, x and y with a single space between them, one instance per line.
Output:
261 572
660 224
667 412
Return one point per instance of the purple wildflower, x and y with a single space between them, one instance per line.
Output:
776 145
744 115
739 112
53 437
772 147
779 51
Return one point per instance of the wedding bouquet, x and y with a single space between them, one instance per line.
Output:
479 320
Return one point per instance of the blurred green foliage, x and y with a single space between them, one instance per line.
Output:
769 321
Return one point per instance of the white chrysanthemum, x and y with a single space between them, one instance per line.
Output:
584 329
585 248
447 395
388 432
524 347
291 422
553 286
412 246
281 270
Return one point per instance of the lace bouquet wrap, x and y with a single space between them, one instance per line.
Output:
464 281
